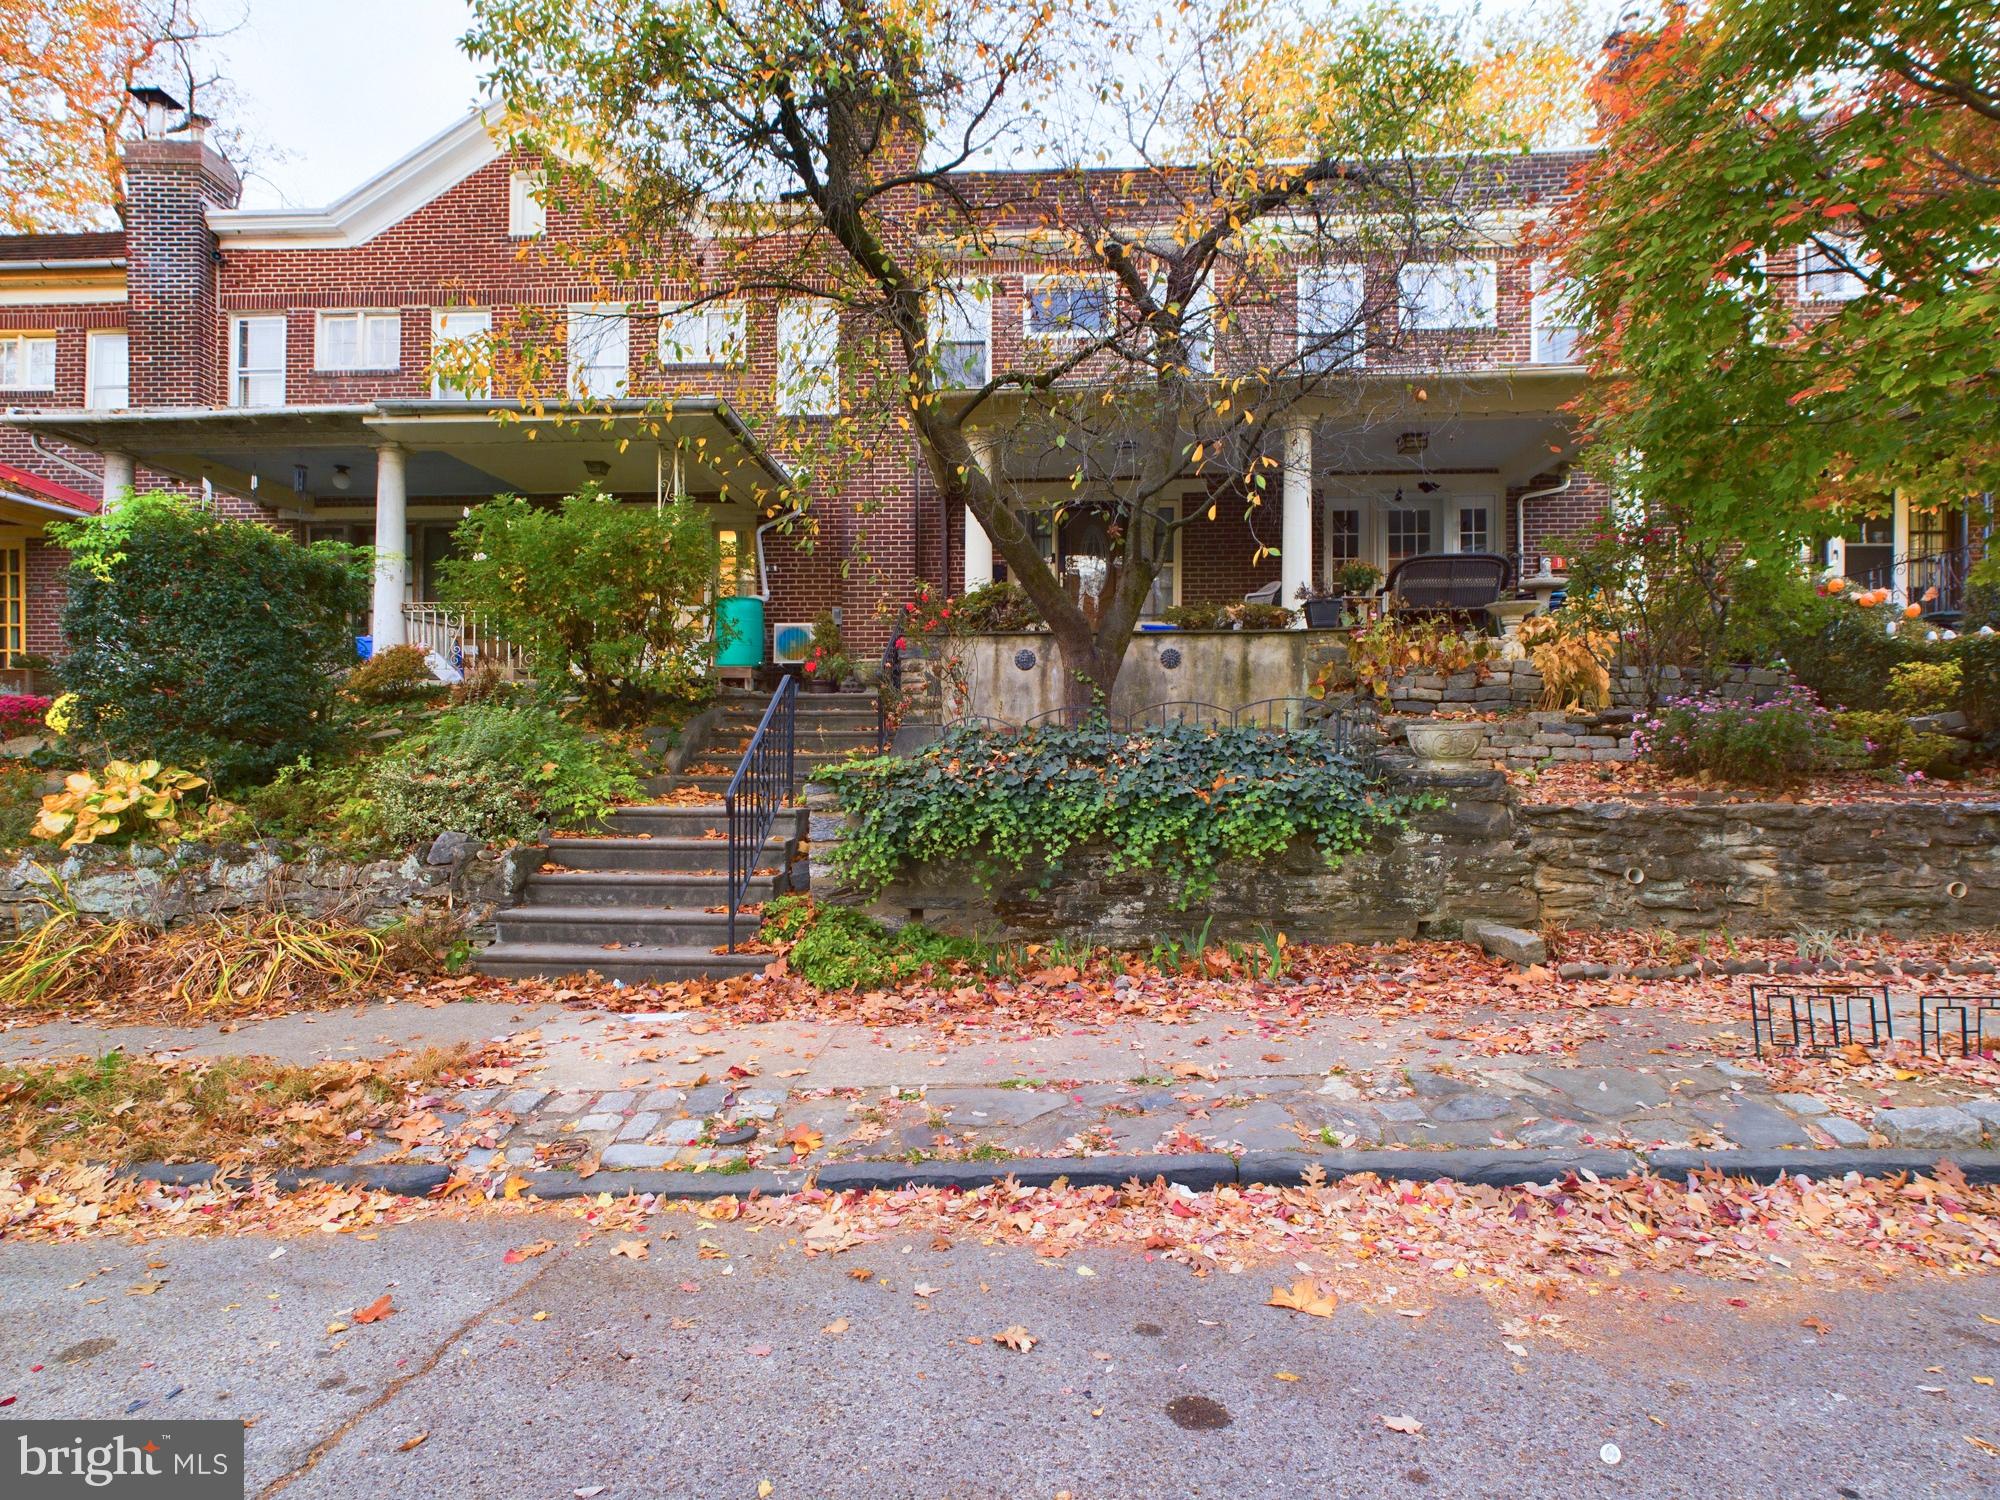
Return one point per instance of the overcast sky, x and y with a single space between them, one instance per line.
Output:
329 92
332 91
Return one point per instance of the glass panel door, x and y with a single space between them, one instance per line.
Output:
1407 531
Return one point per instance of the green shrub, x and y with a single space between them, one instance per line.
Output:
599 593
1978 659
395 672
499 773
1844 651
1179 799
202 640
1764 744
838 948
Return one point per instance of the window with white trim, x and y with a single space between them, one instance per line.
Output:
27 361
1066 307
462 335
961 328
1553 332
257 361
1197 323
108 370
1332 327
1472 526
359 339
808 358
527 217
600 350
1826 271
703 333
1442 295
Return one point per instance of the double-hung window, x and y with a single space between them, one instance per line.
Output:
1332 322
1826 270
27 361
809 358
1067 307
257 361
108 372
703 333
600 347
461 353
359 340
961 326
1442 295
1554 333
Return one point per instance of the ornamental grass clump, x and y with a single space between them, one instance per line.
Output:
1765 744
1180 799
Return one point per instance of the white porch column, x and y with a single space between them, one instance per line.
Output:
978 545
1295 544
118 478
392 567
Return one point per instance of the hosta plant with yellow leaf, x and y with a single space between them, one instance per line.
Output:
122 800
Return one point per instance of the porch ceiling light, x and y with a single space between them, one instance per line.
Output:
596 468
342 477
1409 444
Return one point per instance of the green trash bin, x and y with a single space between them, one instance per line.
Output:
739 631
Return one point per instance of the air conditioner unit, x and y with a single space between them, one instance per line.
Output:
791 643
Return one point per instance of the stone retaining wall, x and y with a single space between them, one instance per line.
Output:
1749 867
1508 686
164 887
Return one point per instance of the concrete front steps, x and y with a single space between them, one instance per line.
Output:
828 728
643 900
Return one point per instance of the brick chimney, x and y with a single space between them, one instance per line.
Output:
173 315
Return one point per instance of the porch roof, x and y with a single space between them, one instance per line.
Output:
29 499
455 448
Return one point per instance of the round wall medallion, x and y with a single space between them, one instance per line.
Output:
1025 659
1170 658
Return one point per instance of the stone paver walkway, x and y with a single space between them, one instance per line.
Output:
678 1090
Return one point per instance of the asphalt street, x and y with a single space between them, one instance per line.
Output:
727 1358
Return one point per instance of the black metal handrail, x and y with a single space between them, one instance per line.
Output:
761 786
1933 581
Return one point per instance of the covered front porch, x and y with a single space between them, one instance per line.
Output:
1373 474
398 476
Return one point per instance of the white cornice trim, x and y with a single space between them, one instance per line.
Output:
439 164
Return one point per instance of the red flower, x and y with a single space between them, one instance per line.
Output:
902 644
811 666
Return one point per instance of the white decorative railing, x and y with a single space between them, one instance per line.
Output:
454 634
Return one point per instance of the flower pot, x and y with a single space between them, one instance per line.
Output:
1446 745
814 685
1324 614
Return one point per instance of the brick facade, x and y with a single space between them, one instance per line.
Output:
187 266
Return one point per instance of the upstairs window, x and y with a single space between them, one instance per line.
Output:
707 333
359 341
599 351
108 380
1441 295
809 358
257 361
962 333
1332 327
1197 324
527 218
1067 307
467 329
27 361
1554 332
1826 271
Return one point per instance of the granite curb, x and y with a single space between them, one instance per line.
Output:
1199 1171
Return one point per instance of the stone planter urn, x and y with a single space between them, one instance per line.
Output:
1446 746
